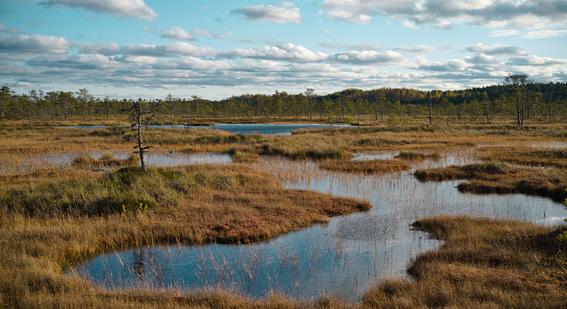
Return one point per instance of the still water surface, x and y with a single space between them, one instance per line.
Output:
236 128
344 258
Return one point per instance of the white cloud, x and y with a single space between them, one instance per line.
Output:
103 49
504 16
369 56
495 49
170 50
142 60
125 8
532 60
287 51
285 12
184 48
33 43
178 33
545 33
454 65
481 59
75 62
42 60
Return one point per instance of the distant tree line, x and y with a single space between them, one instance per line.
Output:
516 98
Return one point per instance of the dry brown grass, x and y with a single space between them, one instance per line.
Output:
483 264
106 160
214 204
500 178
527 156
366 167
401 162
417 156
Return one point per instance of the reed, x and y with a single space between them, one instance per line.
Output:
366 167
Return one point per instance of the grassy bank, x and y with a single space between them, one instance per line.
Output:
401 162
554 158
47 227
483 264
500 178
52 217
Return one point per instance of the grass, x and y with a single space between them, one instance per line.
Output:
305 146
51 226
106 160
484 263
401 162
417 156
52 218
366 167
556 158
242 156
496 177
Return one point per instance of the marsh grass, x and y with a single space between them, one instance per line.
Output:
306 147
366 167
51 226
484 263
401 162
528 156
243 156
107 159
417 156
53 218
496 177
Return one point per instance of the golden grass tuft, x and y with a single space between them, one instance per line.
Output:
495 177
185 205
366 167
484 263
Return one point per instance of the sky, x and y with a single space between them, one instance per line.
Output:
216 49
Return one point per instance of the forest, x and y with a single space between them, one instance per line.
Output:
543 101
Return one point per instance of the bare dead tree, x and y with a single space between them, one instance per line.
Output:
518 84
140 115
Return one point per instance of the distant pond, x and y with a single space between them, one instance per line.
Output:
236 128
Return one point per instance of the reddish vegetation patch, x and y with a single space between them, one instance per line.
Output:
498 178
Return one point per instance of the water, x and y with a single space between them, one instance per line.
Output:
344 258
152 158
238 128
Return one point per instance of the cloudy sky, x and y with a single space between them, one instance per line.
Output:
215 49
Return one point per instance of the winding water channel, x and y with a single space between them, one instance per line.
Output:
344 258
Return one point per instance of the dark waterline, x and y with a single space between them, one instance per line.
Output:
344 258
239 128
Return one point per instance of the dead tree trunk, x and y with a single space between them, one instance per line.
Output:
140 117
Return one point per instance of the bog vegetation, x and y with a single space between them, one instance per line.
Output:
54 216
